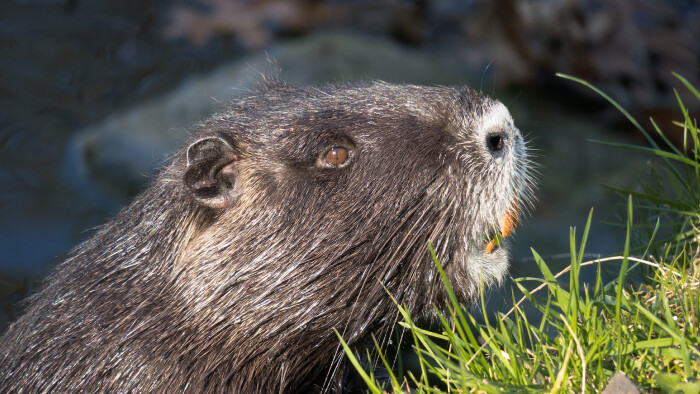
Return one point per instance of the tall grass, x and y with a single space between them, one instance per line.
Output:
586 332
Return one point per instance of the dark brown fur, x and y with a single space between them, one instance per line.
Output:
231 271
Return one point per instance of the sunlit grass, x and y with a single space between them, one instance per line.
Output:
585 332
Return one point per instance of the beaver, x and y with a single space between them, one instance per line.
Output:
287 215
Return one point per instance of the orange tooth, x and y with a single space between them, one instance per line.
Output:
510 220
490 247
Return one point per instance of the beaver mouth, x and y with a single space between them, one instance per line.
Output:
508 224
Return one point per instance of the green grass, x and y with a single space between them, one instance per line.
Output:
641 320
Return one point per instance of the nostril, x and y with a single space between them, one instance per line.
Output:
495 142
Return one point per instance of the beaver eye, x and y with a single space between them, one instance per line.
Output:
335 157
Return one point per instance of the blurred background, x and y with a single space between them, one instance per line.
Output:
94 96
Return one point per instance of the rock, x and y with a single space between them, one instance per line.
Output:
620 384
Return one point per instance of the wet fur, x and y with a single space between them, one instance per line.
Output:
238 288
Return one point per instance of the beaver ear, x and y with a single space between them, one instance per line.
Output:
211 171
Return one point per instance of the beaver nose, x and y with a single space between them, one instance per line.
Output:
496 141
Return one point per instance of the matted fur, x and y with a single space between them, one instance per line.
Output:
243 294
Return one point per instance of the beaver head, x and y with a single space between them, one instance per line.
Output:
289 214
